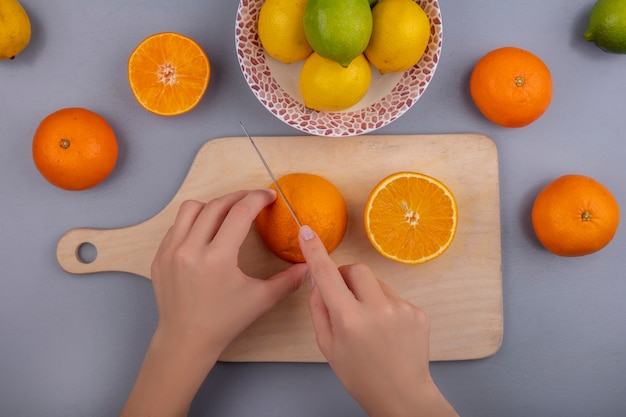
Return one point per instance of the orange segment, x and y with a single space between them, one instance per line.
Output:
168 73
410 218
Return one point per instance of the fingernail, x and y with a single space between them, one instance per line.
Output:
308 275
306 233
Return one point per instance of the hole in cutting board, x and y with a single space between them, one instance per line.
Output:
87 253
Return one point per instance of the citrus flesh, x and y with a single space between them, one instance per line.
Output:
410 217
168 73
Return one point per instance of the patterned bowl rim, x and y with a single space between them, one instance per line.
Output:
405 93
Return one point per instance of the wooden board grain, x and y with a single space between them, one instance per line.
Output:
461 290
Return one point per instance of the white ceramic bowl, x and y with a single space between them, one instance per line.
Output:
276 84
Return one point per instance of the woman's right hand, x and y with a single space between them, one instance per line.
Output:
376 342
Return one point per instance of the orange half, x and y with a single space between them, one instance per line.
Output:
168 73
410 218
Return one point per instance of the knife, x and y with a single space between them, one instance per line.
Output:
269 171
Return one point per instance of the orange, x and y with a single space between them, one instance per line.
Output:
168 73
316 202
410 218
575 215
511 87
74 148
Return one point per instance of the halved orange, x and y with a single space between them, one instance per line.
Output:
410 218
168 73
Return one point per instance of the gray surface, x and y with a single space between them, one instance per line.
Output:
71 345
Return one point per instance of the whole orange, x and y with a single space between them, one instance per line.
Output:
74 148
316 202
575 215
511 87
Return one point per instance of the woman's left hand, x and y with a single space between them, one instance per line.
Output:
203 298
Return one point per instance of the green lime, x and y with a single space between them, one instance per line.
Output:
607 26
338 30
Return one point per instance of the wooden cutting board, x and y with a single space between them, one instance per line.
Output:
461 290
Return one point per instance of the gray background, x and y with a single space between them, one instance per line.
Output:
72 345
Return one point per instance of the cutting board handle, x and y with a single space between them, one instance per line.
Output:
116 250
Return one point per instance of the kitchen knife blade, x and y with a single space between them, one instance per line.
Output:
269 171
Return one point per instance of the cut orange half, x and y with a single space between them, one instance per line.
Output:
168 73
410 218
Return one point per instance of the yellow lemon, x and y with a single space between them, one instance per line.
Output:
14 29
281 30
327 86
399 36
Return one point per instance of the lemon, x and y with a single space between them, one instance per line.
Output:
399 37
14 29
607 26
327 86
281 30
338 30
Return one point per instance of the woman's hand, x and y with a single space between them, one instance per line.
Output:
376 343
204 300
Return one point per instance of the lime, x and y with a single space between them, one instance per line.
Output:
607 26
399 37
327 86
281 30
338 30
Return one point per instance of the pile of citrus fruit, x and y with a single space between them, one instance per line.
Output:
339 39
409 217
